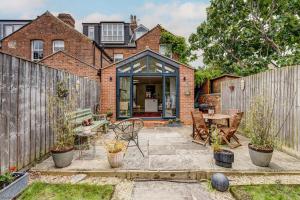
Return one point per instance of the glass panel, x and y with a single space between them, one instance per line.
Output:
140 66
169 69
124 69
154 66
124 91
170 96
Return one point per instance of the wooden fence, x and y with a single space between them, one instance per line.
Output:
281 85
25 128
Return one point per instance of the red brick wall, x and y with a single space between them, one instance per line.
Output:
108 90
65 62
150 40
48 28
186 94
186 98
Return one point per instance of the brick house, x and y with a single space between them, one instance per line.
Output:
137 79
55 42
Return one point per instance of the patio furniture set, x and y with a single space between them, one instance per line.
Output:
202 129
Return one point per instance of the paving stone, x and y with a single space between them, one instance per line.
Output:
162 190
77 178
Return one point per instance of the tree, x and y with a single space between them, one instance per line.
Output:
248 36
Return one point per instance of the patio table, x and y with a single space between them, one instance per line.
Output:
210 119
216 116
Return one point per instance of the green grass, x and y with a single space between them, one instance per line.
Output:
45 191
266 192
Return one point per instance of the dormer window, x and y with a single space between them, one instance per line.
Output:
112 32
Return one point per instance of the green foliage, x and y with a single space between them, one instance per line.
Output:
259 124
6 178
177 45
265 192
216 139
245 37
202 75
58 107
39 190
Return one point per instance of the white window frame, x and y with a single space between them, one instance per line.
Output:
39 49
112 32
162 50
118 57
5 32
58 45
91 32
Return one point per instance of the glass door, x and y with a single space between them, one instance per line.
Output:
170 97
124 97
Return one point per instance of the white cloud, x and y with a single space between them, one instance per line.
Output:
25 8
179 18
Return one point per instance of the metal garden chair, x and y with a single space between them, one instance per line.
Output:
128 130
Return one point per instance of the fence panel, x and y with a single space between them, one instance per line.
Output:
26 134
282 87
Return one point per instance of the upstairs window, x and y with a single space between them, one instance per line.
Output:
165 49
8 30
91 32
58 45
112 32
118 57
37 50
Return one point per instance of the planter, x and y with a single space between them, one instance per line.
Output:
115 159
224 158
62 158
260 157
16 187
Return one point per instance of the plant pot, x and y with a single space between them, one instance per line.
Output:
62 158
260 157
115 159
224 158
15 188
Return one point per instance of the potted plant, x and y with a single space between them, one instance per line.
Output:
174 122
259 127
62 90
12 183
115 152
223 157
58 107
109 115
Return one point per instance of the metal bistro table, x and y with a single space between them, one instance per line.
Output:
90 139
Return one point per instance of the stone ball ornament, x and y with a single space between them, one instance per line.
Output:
220 182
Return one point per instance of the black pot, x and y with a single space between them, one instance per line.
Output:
224 158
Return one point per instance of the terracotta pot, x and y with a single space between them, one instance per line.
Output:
115 159
260 157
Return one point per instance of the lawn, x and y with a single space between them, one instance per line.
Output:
45 191
266 192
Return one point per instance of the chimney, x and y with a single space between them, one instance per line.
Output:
133 22
67 18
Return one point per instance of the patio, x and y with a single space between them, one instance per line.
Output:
170 149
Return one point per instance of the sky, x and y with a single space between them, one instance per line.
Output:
180 17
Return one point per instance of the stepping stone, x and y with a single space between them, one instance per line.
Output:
77 178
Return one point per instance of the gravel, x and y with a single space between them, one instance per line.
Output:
124 188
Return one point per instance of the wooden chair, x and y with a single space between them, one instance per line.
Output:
200 130
229 132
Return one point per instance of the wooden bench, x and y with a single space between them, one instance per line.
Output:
78 116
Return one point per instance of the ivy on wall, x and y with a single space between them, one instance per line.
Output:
176 45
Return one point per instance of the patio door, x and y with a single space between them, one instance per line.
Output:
124 96
170 89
